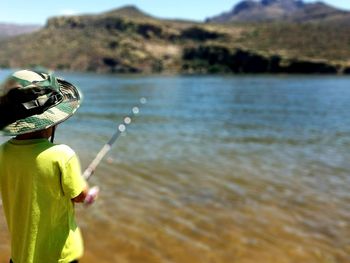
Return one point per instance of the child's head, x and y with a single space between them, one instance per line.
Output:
32 101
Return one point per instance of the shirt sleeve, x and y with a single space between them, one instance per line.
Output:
72 181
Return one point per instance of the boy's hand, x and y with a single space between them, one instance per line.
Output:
92 195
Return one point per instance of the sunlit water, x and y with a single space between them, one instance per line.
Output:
214 169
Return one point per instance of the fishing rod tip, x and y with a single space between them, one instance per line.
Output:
121 128
135 110
127 120
143 100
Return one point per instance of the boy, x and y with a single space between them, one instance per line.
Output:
39 181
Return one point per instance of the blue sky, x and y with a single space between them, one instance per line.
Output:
37 11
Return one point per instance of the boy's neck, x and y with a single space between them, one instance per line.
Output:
43 134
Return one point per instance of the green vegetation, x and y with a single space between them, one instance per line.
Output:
327 41
129 41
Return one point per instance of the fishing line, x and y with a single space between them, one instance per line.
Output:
107 147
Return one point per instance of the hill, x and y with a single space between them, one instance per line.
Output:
10 30
280 10
127 40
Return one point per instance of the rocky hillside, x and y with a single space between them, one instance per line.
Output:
127 40
280 10
9 30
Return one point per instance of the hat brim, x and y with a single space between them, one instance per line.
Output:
51 117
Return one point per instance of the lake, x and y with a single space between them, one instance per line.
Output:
214 168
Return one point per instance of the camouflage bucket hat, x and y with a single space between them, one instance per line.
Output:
32 101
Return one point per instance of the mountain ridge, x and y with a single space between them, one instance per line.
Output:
13 29
278 10
127 40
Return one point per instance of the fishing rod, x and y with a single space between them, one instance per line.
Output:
107 147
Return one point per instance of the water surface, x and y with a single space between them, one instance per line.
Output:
215 169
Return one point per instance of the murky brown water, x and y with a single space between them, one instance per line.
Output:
241 169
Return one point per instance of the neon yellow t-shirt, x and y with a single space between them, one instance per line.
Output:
37 182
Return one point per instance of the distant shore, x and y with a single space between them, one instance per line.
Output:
129 41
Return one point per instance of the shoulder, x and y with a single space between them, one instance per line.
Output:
2 145
62 152
62 148
5 144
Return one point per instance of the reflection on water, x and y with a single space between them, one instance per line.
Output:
215 169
